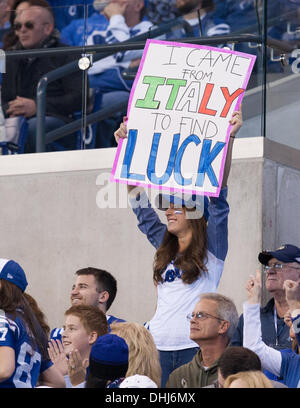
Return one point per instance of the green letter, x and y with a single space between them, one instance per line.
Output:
177 83
148 102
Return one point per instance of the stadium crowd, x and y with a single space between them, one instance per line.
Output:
35 24
96 350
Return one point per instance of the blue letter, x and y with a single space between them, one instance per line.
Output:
177 168
153 156
207 157
132 134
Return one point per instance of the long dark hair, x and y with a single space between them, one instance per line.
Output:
14 303
208 5
38 313
95 382
191 261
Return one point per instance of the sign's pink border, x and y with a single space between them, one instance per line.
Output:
148 42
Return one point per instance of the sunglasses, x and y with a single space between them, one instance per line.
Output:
29 25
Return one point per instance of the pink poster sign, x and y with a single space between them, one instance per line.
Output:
179 109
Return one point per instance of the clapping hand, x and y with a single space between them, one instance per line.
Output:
58 356
77 368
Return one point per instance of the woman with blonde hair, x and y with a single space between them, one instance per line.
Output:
143 355
248 379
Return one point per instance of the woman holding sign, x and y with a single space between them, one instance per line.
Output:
191 250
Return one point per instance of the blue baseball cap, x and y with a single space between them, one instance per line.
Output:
12 272
286 253
109 357
192 202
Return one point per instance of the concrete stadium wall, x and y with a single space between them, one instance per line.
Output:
52 225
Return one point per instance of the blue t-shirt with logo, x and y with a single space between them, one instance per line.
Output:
290 369
66 11
28 360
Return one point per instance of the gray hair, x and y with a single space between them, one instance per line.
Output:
226 310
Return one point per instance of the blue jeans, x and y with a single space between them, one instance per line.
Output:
110 80
169 360
51 123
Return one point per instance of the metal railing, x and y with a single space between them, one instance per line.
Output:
107 50
99 52
102 51
41 137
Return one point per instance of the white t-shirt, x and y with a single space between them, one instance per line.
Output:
175 300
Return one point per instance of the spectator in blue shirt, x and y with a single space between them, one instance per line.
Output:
117 21
23 343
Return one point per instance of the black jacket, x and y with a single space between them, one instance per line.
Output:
63 96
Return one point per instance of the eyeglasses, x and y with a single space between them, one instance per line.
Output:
201 316
28 24
176 209
278 267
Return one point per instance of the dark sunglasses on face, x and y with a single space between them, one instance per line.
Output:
28 24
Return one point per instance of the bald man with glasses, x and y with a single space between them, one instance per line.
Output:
35 28
279 265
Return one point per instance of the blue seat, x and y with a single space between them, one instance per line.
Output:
19 147
88 141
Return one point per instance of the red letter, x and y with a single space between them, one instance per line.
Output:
203 107
229 99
